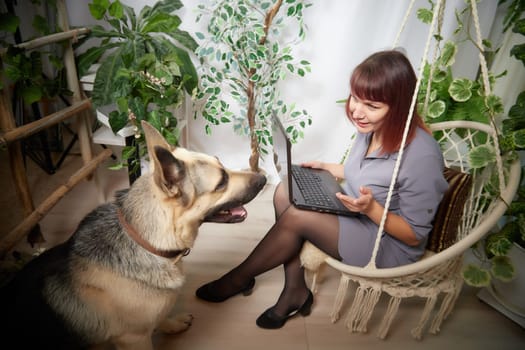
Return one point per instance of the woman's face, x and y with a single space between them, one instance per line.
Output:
366 115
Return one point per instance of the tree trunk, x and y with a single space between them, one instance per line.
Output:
250 92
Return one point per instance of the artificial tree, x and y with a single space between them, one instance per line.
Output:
243 59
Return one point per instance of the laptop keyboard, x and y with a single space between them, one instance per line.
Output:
310 186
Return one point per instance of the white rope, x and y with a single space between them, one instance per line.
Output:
403 23
372 264
434 60
486 86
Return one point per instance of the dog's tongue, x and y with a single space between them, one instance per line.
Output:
239 211
232 215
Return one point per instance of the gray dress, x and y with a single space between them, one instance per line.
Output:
419 187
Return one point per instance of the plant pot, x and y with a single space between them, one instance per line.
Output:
509 297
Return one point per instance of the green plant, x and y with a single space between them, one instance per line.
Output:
453 98
493 251
243 60
24 69
142 68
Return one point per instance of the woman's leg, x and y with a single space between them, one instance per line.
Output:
281 246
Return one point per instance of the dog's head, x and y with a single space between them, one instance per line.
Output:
197 186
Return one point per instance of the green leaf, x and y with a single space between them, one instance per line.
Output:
519 26
498 244
503 269
116 10
481 156
128 152
460 89
494 104
187 69
32 94
424 15
101 32
161 23
9 22
117 120
98 8
91 56
448 55
436 109
519 138
167 6
518 51
476 276
103 87
41 25
185 39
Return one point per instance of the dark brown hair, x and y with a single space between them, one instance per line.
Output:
388 77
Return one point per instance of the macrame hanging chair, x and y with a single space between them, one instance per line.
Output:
468 210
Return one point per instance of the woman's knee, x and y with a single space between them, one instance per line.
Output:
280 199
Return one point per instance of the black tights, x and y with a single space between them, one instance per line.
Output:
281 246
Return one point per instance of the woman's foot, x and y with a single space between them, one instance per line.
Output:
212 292
270 320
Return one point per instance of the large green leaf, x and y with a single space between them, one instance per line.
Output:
502 268
185 39
98 8
91 56
187 69
161 23
476 276
103 87
481 156
98 31
166 6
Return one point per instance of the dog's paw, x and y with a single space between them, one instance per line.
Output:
177 324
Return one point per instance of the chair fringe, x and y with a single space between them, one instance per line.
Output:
429 306
447 305
340 297
393 306
365 300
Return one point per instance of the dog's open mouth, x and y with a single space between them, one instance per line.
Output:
229 216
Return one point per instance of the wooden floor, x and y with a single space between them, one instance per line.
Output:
231 325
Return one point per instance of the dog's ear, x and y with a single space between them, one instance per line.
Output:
153 138
169 171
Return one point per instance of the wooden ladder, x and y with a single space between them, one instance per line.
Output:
11 135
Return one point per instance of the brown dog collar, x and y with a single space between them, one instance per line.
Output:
169 254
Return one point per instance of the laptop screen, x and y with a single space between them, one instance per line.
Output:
282 148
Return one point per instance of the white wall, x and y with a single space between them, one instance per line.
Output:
341 33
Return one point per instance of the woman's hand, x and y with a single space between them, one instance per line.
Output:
395 225
362 204
337 170
313 164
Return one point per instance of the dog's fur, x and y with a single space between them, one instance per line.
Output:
101 286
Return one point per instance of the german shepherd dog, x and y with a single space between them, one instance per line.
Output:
117 278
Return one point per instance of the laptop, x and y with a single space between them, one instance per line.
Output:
310 189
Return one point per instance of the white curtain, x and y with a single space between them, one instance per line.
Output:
341 33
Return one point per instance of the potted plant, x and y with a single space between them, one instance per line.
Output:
145 68
243 59
450 98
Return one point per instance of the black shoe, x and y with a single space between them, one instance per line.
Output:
270 320
207 292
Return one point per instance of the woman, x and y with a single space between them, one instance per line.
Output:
381 87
